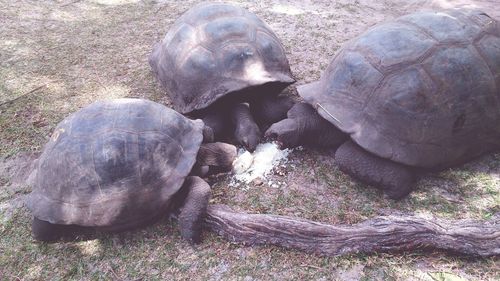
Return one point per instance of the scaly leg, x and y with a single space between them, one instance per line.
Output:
396 180
194 208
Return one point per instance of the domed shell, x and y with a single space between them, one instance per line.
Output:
215 49
422 90
114 163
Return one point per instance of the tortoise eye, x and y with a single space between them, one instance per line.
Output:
459 123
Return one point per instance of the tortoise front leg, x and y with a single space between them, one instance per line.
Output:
246 131
194 208
304 126
396 180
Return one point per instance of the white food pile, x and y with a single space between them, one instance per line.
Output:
248 166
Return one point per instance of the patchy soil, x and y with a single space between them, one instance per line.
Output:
16 175
57 56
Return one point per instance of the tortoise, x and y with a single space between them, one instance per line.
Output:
416 94
120 164
218 55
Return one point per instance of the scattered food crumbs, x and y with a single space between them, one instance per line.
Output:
249 167
243 162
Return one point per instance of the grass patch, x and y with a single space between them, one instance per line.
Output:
83 51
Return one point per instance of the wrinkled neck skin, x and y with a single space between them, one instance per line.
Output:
247 95
323 134
314 129
216 117
231 118
332 139
246 132
240 113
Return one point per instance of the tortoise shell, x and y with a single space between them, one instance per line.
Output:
422 90
114 163
215 49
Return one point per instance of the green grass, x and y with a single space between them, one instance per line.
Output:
88 51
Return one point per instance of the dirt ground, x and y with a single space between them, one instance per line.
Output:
58 56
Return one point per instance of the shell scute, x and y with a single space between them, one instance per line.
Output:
219 31
435 103
243 60
394 44
121 176
271 50
207 12
489 48
443 26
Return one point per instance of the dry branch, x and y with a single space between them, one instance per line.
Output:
380 234
23 95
